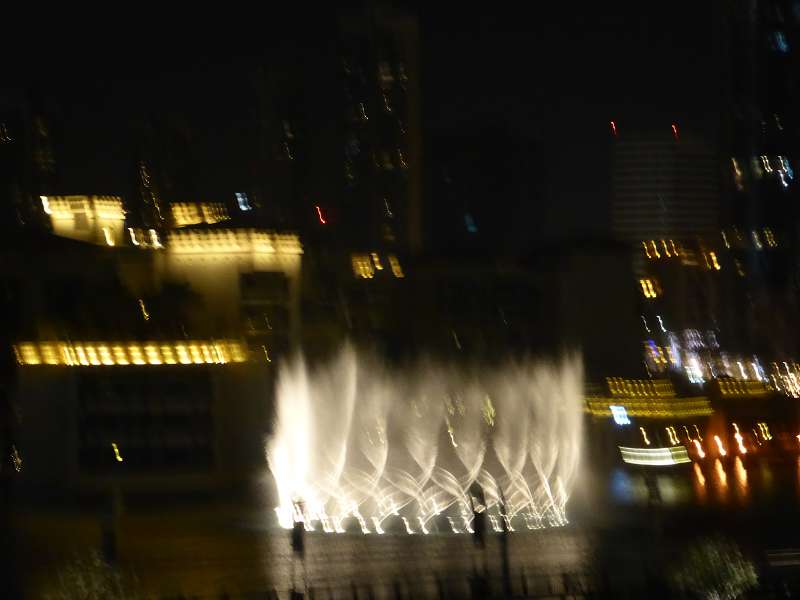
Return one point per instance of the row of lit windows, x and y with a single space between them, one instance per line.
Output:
99 207
732 387
234 240
656 388
650 288
760 238
655 409
194 213
654 249
122 354
365 265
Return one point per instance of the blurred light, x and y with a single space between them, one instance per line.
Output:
737 175
739 440
720 447
661 323
132 233
233 241
116 452
675 130
397 270
469 222
672 437
779 42
46 205
644 436
700 452
655 248
675 408
376 261
109 237
123 354
319 215
721 475
16 458
698 473
740 471
243 201
145 314
362 266
713 257
645 324
614 128
654 457
619 415
154 239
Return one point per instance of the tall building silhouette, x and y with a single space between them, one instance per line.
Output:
664 186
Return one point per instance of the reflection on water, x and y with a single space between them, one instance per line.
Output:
699 484
741 474
737 481
722 476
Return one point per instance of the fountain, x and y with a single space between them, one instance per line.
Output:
357 444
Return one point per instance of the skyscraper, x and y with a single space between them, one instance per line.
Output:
664 186
382 135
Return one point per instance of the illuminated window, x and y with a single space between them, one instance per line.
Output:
619 415
243 201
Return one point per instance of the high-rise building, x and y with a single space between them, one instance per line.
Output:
382 142
759 59
664 186
761 133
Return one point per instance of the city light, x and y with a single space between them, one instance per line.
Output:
619 415
655 457
700 452
319 215
739 439
84 354
720 447
117 455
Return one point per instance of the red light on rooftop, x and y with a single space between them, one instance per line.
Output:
319 215
614 128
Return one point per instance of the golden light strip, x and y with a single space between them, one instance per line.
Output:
654 409
92 354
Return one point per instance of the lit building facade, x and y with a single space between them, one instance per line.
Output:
147 363
93 219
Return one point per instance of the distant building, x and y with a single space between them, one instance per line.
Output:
339 149
664 186
144 359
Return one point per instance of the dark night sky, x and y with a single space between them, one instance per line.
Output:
556 73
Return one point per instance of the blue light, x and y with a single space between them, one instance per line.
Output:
470 223
779 42
620 415
244 203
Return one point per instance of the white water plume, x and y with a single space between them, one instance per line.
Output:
355 442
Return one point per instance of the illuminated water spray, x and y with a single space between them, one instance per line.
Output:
357 444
